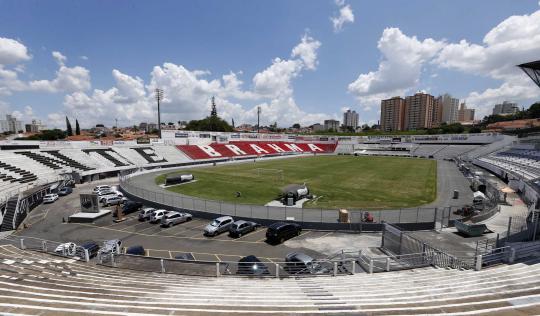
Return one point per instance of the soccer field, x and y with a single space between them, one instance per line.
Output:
338 181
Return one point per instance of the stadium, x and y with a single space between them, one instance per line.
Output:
179 221
379 208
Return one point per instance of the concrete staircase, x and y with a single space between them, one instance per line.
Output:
11 208
33 283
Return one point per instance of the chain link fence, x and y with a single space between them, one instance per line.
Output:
315 215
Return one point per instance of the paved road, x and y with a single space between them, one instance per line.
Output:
45 222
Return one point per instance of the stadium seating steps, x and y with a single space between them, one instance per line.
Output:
34 282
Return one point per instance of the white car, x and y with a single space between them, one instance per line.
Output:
111 193
50 198
112 200
67 249
157 215
102 187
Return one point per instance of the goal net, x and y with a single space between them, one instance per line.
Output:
275 175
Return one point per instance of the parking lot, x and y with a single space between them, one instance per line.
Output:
47 221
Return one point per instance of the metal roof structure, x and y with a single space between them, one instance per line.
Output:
532 70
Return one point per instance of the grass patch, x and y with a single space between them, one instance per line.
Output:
341 181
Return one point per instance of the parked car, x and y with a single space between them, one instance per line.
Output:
251 265
185 256
156 215
92 248
281 231
112 200
131 206
300 263
104 193
172 218
136 251
101 187
241 227
110 193
65 191
50 198
145 213
218 226
67 248
112 245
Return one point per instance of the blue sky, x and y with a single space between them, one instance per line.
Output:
110 55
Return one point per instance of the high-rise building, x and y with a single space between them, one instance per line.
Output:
437 116
505 108
10 124
35 127
331 125
350 119
448 108
393 114
464 114
419 111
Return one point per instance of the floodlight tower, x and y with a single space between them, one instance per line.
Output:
159 97
258 118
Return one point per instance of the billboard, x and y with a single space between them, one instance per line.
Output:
143 140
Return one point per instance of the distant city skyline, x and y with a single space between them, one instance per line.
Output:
299 61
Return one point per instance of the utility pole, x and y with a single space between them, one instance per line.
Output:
159 97
116 125
258 118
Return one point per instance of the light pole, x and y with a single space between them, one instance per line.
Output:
159 97
258 118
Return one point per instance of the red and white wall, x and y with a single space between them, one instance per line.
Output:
246 148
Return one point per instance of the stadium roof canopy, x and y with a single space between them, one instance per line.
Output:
532 69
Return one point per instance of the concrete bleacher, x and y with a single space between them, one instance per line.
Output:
523 163
34 282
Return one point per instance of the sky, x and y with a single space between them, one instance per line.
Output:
301 61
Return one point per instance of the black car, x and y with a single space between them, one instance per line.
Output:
65 191
92 248
251 265
241 227
187 256
281 231
136 251
131 206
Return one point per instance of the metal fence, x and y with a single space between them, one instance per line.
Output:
346 262
317 215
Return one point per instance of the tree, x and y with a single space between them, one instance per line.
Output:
534 111
77 128
69 130
232 122
296 125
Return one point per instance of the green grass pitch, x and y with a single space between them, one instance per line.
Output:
340 181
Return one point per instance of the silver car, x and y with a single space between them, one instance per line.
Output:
145 213
218 226
173 218
157 215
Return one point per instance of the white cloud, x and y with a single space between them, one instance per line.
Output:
83 57
60 59
307 51
12 51
28 111
187 94
513 41
68 79
56 120
344 16
400 68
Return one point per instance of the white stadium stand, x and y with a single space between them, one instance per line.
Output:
39 283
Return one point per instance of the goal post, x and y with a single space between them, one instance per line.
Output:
275 174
